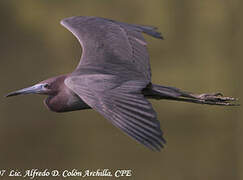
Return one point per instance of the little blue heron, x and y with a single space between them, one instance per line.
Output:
113 77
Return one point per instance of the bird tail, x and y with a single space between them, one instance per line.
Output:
158 92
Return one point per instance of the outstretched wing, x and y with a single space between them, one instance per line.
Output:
106 42
122 104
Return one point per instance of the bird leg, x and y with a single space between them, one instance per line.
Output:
155 91
211 99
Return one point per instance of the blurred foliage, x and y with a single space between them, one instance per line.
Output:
202 52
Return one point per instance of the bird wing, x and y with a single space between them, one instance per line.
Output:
122 103
106 42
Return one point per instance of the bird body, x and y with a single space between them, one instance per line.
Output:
113 77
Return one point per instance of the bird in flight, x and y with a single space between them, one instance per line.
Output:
113 77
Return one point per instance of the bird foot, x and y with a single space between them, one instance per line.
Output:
216 99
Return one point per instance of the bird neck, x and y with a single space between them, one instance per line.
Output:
65 101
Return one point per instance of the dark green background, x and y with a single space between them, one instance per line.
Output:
202 52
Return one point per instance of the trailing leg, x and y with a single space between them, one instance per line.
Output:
155 91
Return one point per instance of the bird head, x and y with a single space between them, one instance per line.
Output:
50 86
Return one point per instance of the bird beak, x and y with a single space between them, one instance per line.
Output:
36 89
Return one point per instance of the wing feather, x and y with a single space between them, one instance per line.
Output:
107 42
123 105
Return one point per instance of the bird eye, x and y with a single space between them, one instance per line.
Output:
46 86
